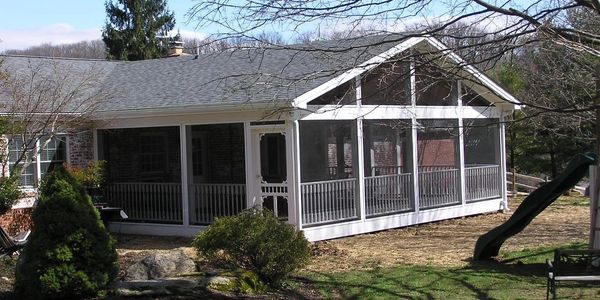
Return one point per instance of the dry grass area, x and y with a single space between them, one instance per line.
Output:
447 243
450 243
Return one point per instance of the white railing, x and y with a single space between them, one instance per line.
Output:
211 200
328 201
482 183
439 188
147 202
333 172
386 170
388 194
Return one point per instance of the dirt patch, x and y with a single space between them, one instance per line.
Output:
450 243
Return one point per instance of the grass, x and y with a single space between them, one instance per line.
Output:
520 275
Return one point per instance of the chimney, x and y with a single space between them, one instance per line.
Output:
175 48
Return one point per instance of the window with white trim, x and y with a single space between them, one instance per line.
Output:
52 154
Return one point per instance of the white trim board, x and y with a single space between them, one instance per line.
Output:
332 231
502 95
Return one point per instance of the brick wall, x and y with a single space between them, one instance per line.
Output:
81 148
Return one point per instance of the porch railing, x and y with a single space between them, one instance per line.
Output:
209 201
482 182
386 170
328 201
438 188
388 194
147 202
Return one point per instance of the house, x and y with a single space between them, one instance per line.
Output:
342 138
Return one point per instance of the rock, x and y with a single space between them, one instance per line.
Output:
158 287
218 281
161 265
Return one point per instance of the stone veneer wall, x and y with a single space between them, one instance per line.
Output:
80 149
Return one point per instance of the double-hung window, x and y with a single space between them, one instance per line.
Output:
52 152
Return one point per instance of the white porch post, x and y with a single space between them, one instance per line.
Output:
291 174
183 145
249 158
414 157
297 195
502 133
461 145
360 153
360 166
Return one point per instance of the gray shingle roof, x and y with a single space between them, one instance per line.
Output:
237 77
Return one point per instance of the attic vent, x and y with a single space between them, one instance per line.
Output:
259 123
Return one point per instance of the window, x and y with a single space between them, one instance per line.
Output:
52 154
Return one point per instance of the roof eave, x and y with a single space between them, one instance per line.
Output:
188 110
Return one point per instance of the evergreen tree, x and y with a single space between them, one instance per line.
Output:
70 255
132 27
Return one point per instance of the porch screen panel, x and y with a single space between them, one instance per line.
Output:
387 166
143 172
343 94
438 163
387 84
482 159
328 182
434 85
216 171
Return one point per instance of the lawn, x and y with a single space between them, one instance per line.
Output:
519 275
429 261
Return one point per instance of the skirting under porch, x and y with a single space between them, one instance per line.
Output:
336 230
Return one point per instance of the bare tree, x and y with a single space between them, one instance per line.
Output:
563 36
85 49
41 98
500 28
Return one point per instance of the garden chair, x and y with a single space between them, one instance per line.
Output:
11 245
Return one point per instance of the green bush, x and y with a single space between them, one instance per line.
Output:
90 176
9 192
257 241
70 255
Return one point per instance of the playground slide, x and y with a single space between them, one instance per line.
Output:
489 244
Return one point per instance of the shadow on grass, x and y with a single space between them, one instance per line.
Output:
479 280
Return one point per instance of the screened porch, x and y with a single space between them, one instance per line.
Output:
144 172
397 161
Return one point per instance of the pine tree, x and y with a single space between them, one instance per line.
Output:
70 255
133 28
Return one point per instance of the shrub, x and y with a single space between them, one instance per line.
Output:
9 192
70 254
257 241
90 176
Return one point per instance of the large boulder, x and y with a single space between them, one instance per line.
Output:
161 265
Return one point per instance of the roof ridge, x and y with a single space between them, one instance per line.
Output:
56 57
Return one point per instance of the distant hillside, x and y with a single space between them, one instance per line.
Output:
85 49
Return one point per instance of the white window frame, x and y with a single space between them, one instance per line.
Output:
36 162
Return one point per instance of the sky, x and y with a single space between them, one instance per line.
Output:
28 23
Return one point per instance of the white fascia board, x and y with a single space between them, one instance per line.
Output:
302 100
486 81
186 110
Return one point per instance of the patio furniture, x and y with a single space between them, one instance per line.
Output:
572 265
11 245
